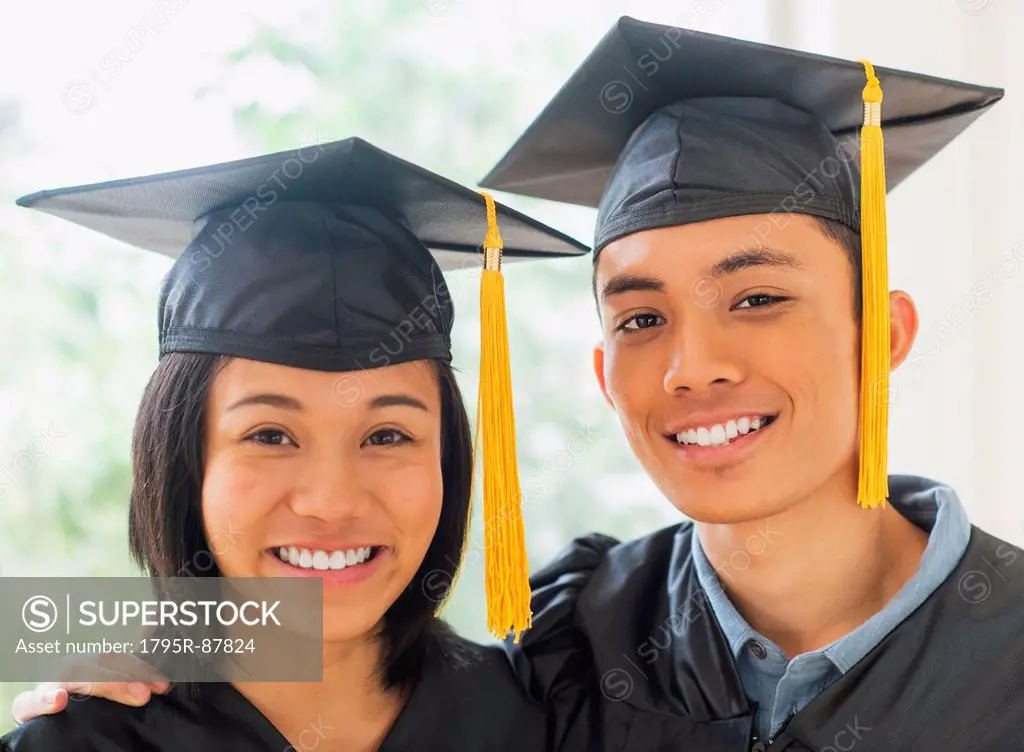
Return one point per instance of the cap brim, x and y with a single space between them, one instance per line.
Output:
569 151
162 213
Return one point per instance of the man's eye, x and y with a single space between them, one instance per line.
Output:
641 321
760 300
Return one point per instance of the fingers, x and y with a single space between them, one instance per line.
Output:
158 687
53 697
43 700
129 668
124 692
126 680
117 689
119 677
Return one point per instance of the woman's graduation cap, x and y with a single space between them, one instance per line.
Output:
663 126
320 258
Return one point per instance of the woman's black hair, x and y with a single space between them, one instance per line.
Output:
166 530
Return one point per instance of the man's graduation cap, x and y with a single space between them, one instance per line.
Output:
662 126
319 258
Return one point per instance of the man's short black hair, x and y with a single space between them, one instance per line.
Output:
849 241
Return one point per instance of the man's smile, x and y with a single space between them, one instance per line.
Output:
712 444
722 432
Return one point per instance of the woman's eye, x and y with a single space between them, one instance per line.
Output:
272 437
389 437
641 321
760 300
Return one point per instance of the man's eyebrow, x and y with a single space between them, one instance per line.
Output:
631 283
734 262
745 259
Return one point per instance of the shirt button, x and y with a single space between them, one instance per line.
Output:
759 746
758 650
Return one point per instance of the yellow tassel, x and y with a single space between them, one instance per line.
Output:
873 484
507 570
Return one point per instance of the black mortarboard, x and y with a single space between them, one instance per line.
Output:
729 127
662 126
309 258
331 258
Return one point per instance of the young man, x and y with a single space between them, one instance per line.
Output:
728 271
748 332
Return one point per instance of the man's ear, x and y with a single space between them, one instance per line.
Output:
902 327
599 372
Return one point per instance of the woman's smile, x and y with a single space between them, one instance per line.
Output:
339 566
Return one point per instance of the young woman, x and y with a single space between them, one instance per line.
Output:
305 410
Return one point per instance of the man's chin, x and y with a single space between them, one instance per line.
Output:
724 503
726 515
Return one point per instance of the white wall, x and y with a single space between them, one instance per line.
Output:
959 417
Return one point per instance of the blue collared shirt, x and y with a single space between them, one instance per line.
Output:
781 687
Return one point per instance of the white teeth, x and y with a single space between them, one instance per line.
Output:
321 560
720 434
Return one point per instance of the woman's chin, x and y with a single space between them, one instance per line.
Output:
350 622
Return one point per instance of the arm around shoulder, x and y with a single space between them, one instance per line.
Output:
551 658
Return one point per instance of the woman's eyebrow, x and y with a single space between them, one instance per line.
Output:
393 400
271 400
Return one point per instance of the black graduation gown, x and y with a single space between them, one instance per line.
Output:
466 699
629 656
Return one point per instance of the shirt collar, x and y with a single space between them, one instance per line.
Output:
933 507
